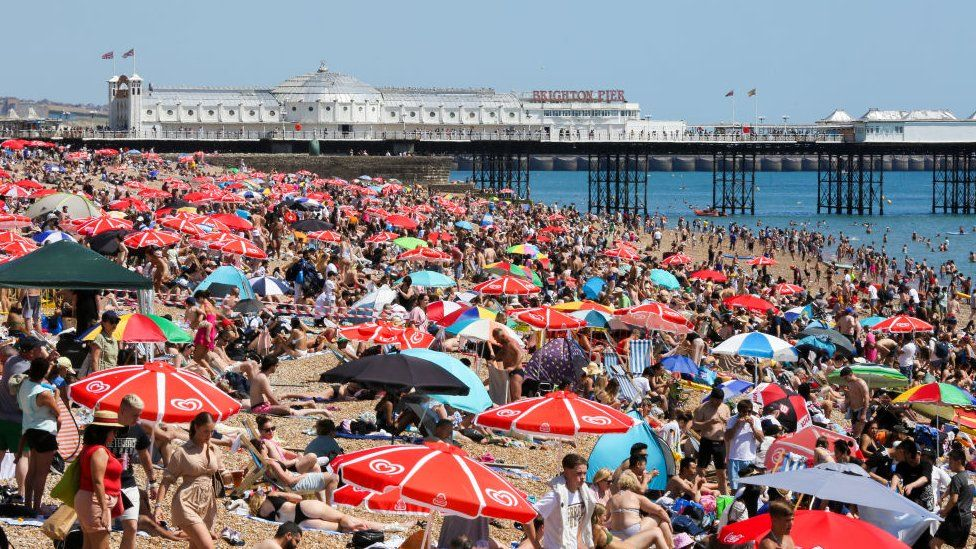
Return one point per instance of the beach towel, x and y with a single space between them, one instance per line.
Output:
497 385
640 356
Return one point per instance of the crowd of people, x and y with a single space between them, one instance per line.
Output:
332 255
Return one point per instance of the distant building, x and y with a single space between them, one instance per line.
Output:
327 101
916 126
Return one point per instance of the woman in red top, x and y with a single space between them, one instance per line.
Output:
101 480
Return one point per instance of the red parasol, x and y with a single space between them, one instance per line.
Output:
802 443
240 247
97 225
182 224
375 502
750 302
13 221
171 395
902 324
438 475
787 289
545 318
822 529
402 222
675 260
129 203
761 261
381 237
154 193
231 221
29 184
507 285
325 236
151 237
560 413
706 274
382 333
623 253
11 190
424 254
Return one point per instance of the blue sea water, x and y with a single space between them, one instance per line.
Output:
783 198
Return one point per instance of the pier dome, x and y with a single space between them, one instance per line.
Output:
327 86
839 116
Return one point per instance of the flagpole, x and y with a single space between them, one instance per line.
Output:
114 71
733 109
755 99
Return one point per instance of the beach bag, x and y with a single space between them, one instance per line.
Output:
366 538
59 524
67 487
682 523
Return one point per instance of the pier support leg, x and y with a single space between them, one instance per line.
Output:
954 182
734 182
501 172
617 183
850 183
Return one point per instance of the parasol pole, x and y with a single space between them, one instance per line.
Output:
430 522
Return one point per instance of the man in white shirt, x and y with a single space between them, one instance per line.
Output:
566 509
743 433
906 356
325 301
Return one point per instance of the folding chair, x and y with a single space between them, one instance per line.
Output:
611 363
640 356
258 471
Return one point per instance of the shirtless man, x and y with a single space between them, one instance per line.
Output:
781 517
262 398
161 273
288 536
509 353
857 396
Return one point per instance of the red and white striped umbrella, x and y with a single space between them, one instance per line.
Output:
784 288
546 318
182 224
96 225
676 259
902 324
231 221
11 190
149 192
151 237
14 221
129 203
7 237
436 475
507 285
761 261
440 309
653 308
424 254
18 248
382 333
242 247
623 252
324 236
386 503
560 413
170 394
381 237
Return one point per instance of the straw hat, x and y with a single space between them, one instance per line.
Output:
593 369
106 418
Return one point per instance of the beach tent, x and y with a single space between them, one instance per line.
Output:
611 450
559 361
76 206
70 266
231 276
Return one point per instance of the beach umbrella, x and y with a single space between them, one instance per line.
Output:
623 253
733 388
233 221
609 450
805 311
823 529
481 329
875 375
267 285
523 249
18 248
503 268
384 503
7 237
680 364
477 399
652 308
376 299
324 236
169 394
802 443
752 303
250 306
242 247
706 274
466 312
425 254
311 225
559 361
438 475
592 318
757 345
664 279
546 318
76 206
593 287
870 321
584 305
653 322
150 193
383 333
14 221
100 224
902 324
437 310
559 413
841 341
409 242
107 243
792 408
129 204
506 285
466 225
11 190
676 260
13 144
937 399
151 238
818 344
787 289
761 261
400 371
141 328
49 237
401 221
381 237
430 279
766 394
182 224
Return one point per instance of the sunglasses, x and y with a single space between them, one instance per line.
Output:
268 429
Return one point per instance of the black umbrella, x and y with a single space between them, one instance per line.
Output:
107 243
399 371
310 225
248 306
841 341
219 289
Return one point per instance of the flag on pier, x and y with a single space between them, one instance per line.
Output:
730 94
132 52
752 92
108 55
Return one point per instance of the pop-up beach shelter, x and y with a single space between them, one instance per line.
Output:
66 265
231 276
610 450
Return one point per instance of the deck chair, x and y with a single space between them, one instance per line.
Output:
611 363
640 356
257 473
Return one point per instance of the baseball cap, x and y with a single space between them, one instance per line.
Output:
110 316
30 343
65 362
846 371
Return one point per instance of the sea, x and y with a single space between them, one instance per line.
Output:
785 199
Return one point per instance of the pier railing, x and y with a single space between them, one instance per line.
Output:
779 134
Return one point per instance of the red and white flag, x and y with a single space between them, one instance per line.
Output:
108 55
129 53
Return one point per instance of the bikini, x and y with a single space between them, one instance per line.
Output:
631 530
277 502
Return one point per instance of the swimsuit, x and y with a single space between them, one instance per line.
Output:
631 530
277 502
263 408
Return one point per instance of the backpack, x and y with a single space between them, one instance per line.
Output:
292 272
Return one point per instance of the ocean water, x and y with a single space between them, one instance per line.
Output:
783 198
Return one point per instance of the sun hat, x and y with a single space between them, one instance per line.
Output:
106 418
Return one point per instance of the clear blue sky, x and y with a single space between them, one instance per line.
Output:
676 57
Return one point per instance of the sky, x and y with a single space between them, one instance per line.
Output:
677 58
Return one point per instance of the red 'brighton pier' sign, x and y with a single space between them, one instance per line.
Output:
578 96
